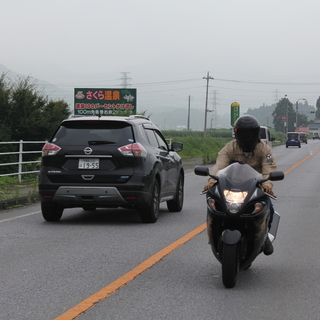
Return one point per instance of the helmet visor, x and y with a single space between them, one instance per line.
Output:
247 139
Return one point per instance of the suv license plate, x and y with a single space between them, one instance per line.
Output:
88 164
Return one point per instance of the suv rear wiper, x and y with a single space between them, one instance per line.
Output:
100 142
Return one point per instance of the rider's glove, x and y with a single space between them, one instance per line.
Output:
209 185
268 190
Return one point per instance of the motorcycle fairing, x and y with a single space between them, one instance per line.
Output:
246 228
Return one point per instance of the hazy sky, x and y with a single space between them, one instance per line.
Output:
256 50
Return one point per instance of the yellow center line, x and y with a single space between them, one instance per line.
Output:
110 289
107 291
298 163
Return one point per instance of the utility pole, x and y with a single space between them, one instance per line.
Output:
189 113
297 110
214 115
287 120
206 108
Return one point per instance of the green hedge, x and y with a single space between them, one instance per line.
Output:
199 147
196 146
213 133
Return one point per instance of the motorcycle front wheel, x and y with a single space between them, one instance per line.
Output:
230 265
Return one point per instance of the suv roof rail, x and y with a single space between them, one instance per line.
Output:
133 116
71 116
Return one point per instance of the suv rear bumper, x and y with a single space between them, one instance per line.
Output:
88 195
293 144
79 196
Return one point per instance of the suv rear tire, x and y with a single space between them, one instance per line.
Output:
176 204
150 213
51 212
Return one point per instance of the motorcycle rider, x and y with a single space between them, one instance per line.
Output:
247 148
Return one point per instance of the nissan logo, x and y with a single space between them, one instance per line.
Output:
87 150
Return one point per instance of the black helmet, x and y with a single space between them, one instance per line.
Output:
247 132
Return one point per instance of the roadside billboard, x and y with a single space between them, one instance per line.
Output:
95 101
303 129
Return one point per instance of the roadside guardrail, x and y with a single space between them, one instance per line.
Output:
20 158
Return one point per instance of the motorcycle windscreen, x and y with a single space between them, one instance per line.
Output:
238 173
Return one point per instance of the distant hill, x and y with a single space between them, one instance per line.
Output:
53 92
263 114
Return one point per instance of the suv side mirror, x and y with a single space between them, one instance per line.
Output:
176 146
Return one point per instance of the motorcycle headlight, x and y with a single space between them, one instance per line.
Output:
234 200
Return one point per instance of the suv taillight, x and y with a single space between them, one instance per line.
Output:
50 149
133 149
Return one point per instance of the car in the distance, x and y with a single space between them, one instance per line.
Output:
265 136
293 139
304 137
315 135
110 162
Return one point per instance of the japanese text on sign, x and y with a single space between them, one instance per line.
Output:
235 112
103 101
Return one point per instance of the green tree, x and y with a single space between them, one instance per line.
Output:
302 117
284 108
302 120
52 114
318 109
26 114
5 131
25 110
30 116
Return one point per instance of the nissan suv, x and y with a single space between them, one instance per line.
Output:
110 162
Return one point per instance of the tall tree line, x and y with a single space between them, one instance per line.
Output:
276 115
26 114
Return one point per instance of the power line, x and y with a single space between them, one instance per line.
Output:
272 83
191 80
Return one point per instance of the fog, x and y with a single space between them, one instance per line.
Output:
256 51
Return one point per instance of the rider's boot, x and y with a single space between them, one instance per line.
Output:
268 247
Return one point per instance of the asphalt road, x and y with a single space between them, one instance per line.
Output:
58 270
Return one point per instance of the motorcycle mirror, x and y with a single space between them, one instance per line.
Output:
273 176
276 175
201 171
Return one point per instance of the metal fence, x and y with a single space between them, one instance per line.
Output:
20 157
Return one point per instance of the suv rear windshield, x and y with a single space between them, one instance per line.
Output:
93 132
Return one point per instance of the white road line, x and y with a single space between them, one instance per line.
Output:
18 217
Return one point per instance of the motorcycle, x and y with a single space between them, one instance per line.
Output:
238 216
